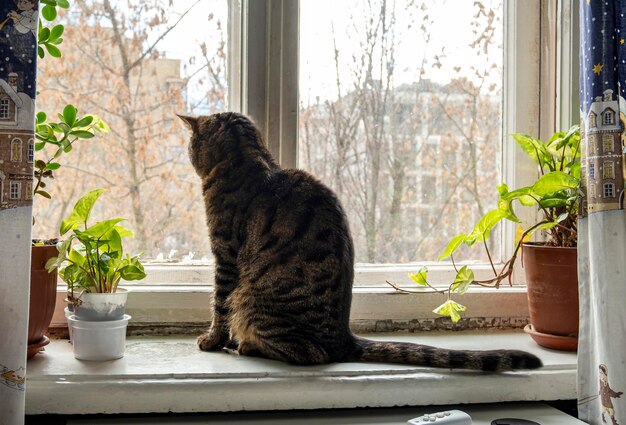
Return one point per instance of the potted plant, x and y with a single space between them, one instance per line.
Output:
55 138
92 262
550 264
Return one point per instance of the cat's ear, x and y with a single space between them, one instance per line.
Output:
191 122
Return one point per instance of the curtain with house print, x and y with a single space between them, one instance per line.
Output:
602 226
18 53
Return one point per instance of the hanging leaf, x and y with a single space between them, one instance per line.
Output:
420 277
463 279
450 309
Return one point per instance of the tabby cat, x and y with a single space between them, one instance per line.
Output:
285 261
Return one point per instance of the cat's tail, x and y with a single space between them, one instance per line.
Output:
366 350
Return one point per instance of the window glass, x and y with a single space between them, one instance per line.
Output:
609 170
16 150
14 190
398 97
4 108
31 150
136 64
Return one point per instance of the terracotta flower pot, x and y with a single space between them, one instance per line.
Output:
552 281
43 288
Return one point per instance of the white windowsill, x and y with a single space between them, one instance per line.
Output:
169 374
374 309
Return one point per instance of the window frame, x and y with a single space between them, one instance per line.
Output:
15 190
16 148
5 108
541 39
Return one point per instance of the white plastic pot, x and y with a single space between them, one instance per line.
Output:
98 340
95 307
68 313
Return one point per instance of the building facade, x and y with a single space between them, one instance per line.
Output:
16 144
603 159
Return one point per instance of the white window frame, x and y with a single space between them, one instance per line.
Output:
31 151
15 190
263 83
4 108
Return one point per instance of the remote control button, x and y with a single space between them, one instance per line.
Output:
447 413
440 414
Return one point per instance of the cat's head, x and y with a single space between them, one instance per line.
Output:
218 137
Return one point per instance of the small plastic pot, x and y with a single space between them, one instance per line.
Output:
98 340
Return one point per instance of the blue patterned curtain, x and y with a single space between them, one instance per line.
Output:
602 226
18 54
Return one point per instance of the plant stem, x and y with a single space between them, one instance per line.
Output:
397 288
489 256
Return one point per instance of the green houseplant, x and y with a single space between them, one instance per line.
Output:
91 260
53 139
554 196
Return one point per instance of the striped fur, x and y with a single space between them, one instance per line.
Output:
285 261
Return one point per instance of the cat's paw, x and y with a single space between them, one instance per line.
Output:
211 341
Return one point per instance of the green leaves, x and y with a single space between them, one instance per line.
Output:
452 246
450 309
49 38
462 281
553 194
483 227
49 12
93 258
69 115
79 215
554 182
61 136
420 277
535 149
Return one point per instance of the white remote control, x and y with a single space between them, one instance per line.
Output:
448 417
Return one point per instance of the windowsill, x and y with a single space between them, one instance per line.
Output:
374 309
169 374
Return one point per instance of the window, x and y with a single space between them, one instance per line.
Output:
429 189
16 150
609 190
14 190
28 195
592 120
143 161
592 170
608 170
592 190
464 113
371 109
31 150
607 143
4 108
608 117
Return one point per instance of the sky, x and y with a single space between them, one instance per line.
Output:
317 70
